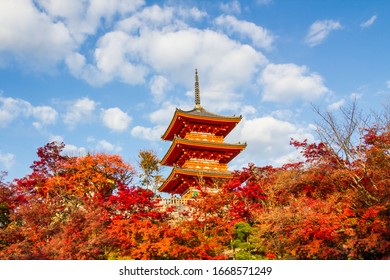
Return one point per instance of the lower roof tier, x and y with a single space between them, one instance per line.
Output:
181 179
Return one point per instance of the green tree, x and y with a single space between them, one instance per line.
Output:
151 169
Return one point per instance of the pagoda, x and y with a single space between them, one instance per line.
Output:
198 153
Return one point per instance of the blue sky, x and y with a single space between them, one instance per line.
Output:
107 75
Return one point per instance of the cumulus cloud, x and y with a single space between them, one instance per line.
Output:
259 36
44 114
18 21
84 17
56 138
369 22
159 119
59 27
388 84
160 18
247 110
158 86
13 108
7 160
287 82
148 133
174 55
231 7
151 17
144 45
79 111
336 105
268 140
158 40
73 150
79 67
104 145
163 115
115 119
319 30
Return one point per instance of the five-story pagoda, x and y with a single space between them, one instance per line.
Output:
198 154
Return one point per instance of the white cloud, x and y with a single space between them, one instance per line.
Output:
286 82
13 108
167 18
72 150
19 39
283 114
106 146
176 54
259 36
164 114
148 133
173 55
114 57
142 40
154 38
56 138
84 17
268 140
192 13
336 105
152 17
158 39
231 7
247 110
80 110
388 84
319 30
369 22
7 160
42 33
79 67
45 114
115 119
158 86
160 119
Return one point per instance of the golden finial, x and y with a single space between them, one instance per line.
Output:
197 94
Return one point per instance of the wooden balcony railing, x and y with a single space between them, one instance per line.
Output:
204 164
175 201
198 136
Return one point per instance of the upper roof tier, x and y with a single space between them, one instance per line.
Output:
203 119
199 120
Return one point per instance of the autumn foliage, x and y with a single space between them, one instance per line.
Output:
87 207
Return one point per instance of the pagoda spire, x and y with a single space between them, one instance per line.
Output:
197 94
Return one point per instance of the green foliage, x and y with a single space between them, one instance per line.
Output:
246 244
151 169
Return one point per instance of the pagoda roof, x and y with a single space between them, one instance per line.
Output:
198 115
174 183
176 149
